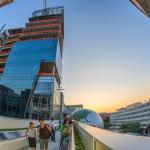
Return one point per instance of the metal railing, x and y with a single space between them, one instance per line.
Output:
49 11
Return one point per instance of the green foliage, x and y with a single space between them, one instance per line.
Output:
131 127
78 142
107 123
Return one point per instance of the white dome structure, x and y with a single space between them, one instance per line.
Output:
89 117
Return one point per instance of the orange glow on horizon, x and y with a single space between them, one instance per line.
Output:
108 107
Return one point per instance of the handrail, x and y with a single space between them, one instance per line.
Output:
14 144
95 138
12 123
72 141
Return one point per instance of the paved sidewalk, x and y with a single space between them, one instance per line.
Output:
52 145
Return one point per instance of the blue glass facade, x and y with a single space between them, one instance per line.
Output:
24 61
44 85
22 67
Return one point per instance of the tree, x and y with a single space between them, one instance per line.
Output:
131 127
106 122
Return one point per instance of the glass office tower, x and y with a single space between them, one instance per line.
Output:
31 70
22 73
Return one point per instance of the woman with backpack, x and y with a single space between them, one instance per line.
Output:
30 134
44 134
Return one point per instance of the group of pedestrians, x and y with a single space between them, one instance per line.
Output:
46 131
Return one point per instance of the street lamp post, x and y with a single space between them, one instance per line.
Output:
61 104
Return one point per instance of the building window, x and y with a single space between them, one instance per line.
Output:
9 108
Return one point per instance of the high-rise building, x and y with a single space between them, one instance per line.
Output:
143 6
30 66
5 2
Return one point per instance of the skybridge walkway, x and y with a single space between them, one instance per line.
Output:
93 138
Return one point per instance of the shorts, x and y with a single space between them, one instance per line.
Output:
44 143
32 142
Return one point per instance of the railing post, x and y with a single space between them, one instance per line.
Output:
94 143
71 145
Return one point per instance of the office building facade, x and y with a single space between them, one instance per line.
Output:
31 66
137 112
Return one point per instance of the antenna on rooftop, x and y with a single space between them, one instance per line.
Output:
45 4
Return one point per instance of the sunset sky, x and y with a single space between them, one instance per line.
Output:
106 60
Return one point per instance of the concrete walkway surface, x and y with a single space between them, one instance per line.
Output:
52 145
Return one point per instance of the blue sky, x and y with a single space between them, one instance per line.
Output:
106 60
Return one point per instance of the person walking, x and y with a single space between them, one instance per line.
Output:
44 134
52 125
65 137
30 135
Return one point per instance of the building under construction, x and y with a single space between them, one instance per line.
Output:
30 66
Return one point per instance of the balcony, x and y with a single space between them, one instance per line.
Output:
28 33
3 60
41 21
46 25
1 70
3 53
11 41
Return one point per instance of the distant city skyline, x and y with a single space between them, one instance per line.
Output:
106 50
